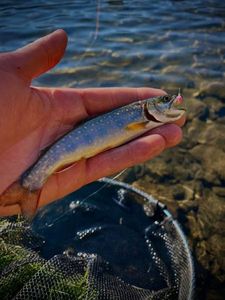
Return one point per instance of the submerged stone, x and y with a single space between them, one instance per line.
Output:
213 89
179 193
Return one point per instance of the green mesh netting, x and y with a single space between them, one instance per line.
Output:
118 243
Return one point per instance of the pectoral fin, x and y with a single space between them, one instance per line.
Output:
136 126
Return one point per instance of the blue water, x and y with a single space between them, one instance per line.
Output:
168 44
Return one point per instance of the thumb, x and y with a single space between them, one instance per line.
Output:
41 55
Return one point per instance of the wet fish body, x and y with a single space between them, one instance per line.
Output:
94 136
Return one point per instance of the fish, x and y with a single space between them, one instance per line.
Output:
90 138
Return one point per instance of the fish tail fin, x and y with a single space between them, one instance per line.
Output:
27 200
29 204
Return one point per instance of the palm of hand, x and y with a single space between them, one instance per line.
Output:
33 118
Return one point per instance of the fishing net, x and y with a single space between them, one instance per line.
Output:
118 243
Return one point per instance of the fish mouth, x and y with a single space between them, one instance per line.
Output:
177 103
178 113
177 107
174 109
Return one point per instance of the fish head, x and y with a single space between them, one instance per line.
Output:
165 109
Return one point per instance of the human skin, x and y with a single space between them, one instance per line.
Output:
34 117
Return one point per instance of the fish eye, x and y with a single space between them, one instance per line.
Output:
165 99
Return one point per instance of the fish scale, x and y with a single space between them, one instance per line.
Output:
96 135
92 137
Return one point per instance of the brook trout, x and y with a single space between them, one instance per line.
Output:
96 135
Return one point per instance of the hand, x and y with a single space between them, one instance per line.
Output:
34 117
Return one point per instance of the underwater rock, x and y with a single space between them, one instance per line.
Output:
219 191
179 193
216 109
205 154
194 131
197 108
193 224
213 89
207 235
221 112
210 214
171 69
175 57
188 206
216 258
213 134
210 133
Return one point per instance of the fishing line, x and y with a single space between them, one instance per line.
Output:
89 196
96 33
102 187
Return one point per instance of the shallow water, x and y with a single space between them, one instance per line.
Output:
166 44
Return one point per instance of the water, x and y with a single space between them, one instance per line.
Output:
166 44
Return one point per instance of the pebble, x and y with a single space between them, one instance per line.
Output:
219 191
212 157
197 108
214 89
179 193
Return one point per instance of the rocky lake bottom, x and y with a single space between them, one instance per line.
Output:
190 180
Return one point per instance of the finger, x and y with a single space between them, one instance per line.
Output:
41 55
63 183
99 100
171 133
101 165
117 159
73 105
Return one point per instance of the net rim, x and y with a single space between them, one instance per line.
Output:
177 226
